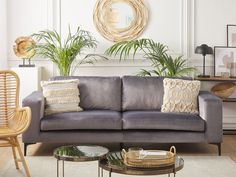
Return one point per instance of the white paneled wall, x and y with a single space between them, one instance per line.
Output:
80 13
209 26
3 33
180 24
24 18
163 26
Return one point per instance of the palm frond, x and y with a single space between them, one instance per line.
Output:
163 63
63 54
144 72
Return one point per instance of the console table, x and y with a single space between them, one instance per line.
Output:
219 79
229 118
75 153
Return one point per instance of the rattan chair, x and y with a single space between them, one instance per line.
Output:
13 119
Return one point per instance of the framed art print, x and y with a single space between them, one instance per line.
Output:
225 61
231 35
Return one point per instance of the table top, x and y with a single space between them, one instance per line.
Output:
216 79
80 153
122 169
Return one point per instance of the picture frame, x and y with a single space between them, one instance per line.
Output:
225 61
231 35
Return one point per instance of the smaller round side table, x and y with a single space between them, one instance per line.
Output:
79 154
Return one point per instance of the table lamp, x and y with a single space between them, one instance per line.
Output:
204 50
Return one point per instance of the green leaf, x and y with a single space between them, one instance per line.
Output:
114 159
144 72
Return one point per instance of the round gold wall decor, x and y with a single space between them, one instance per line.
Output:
120 20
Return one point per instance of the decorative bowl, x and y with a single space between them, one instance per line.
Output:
223 90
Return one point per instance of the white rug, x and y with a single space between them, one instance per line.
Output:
195 166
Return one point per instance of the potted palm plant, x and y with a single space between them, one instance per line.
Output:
163 64
63 53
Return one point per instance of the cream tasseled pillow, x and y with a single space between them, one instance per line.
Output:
61 96
180 95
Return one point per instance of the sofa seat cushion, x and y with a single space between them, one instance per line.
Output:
156 120
91 120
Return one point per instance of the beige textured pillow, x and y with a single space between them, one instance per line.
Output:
61 96
180 96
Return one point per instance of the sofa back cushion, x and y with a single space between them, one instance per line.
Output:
98 92
142 93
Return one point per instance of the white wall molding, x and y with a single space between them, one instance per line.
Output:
56 10
229 122
56 14
3 36
33 59
50 14
192 24
47 14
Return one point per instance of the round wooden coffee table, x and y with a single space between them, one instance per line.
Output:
79 154
122 169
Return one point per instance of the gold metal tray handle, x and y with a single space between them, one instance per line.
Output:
173 149
123 152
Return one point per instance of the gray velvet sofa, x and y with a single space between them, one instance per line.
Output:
120 110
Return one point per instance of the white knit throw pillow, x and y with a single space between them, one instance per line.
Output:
180 96
61 96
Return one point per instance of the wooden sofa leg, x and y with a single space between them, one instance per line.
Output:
219 148
25 147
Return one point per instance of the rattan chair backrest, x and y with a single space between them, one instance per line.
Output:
9 96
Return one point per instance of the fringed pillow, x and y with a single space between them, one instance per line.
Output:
61 96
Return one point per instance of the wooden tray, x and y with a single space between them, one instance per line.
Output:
132 159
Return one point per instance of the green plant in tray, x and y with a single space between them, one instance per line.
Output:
70 151
115 159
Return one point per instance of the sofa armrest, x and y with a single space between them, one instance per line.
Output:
36 103
210 109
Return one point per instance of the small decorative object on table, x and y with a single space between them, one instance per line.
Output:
223 90
231 35
225 74
225 61
23 51
204 50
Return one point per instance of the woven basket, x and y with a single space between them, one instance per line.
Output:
131 159
223 90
